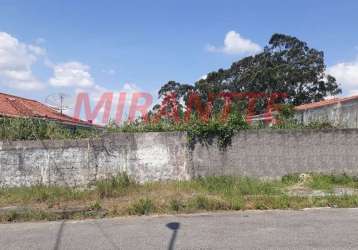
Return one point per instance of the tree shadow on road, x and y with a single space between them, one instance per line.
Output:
174 226
106 236
59 236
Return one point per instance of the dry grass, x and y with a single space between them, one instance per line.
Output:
122 196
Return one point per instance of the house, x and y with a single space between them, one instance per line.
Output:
18 107
341 112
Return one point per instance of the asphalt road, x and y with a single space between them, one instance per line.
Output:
308 229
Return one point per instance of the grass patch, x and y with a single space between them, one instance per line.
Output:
114 186
176 205
290 179
142 207
328 182
41 194
121 195
28 215
38 129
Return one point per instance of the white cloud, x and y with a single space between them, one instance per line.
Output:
77 76
346 73
234 43
16 61
72 74
37 50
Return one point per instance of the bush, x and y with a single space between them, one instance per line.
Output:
176 205
142 207
198 130
201 202
236 203
96 206
290 179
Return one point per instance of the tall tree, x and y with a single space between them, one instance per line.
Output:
286 65
181 90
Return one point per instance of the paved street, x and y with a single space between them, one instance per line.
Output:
308 229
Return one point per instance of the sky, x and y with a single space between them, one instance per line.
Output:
48 47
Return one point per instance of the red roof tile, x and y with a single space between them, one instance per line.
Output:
14 106
325 103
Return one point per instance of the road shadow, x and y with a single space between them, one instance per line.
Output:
174 226
59 236
106 236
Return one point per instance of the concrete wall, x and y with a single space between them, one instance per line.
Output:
166 156
274 153
343 114
147 157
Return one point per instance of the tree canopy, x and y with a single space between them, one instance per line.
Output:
286 65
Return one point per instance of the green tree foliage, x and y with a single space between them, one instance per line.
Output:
181 90
286 65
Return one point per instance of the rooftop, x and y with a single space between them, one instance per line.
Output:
323 103
14 106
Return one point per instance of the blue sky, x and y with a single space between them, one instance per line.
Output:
111 45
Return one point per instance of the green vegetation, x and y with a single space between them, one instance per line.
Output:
198 130
114 186
213 129
38 129
28 215
328 182
287 65
142 207
121 195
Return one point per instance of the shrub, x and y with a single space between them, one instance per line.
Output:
96 206
142 207
290 179
198 130
176 205
236 203
201 202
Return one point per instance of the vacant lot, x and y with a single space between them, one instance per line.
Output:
121 196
